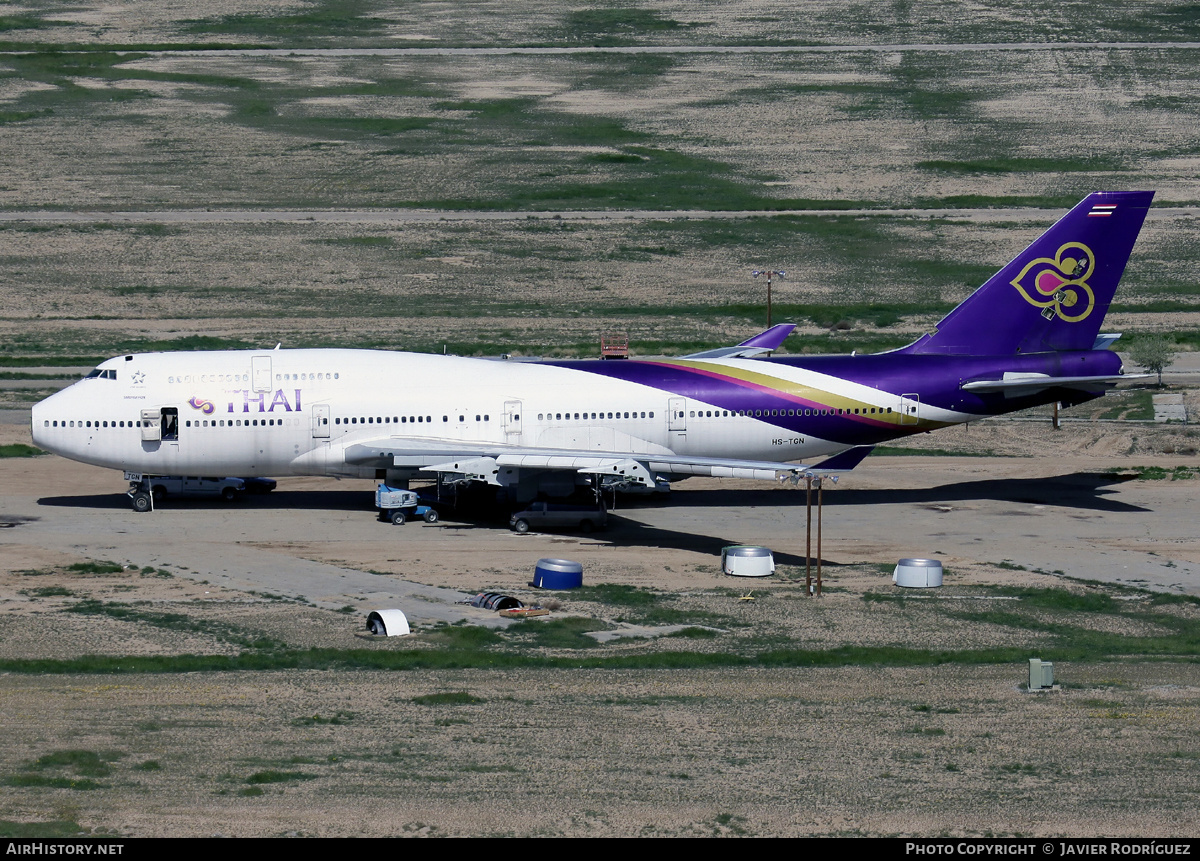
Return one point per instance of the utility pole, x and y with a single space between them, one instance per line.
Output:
811 481
770 273
808 480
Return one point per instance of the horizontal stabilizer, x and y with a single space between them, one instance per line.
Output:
843 462
1024 384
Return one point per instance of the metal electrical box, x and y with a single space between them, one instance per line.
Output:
1041 674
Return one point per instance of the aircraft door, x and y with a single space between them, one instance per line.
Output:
512 420
260 367
320 421
151 426
677 414
169 423
910 409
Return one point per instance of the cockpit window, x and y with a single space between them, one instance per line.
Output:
104 375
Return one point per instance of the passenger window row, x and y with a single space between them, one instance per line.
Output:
381 420
224 378
234 423
710 414
91 424
558 417
197 423
209 378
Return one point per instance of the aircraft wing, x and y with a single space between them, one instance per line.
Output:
490 463
485 462
763 342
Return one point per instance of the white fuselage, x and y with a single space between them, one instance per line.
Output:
298 411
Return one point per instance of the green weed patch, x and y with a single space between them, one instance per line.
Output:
644 606
25 781
319 24
48 592
612 26
1000 165
75 769
86 763
338 719
275 776
449 698
20 449
95 568
1129 405
566 633
54 361
172 622
1159 473
425 659
46 828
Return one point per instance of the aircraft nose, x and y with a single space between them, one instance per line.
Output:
40 419
35 424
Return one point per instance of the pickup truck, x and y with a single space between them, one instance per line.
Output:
162 486
547 515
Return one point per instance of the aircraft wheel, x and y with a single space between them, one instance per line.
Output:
397 518
431 516
521 526
141 501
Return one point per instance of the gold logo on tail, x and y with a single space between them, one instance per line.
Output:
1059 285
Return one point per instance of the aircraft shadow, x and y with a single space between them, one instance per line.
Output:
105 500
1090 491
1085 490
313 500
278 500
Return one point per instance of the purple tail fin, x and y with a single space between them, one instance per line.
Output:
1055 294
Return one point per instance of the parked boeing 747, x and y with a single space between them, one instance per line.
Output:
1029 336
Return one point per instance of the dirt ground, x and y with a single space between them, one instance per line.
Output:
940 751
556 751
